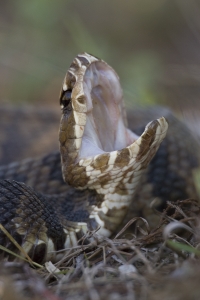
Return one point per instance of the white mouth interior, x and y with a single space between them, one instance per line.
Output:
105 130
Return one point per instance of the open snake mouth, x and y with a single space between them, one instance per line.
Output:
105 127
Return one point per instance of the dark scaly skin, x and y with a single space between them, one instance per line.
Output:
44 175
36 216
40 216
27 132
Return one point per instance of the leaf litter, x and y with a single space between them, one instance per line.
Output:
139 262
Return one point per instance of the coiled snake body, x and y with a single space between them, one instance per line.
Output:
102 166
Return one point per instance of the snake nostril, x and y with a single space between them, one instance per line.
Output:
65 99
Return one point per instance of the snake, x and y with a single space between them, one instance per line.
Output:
103 171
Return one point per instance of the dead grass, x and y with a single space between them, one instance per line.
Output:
161 263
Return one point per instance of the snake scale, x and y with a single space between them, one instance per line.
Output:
102 171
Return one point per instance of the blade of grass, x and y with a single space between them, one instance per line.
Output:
16 244
182 247
21 257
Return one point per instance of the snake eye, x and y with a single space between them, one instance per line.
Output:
65 99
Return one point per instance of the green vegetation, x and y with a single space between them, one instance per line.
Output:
39 39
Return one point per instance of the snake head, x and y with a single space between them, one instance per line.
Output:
98 151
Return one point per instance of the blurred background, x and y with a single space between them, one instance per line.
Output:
153 45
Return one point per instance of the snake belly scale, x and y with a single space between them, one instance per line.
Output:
102 164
